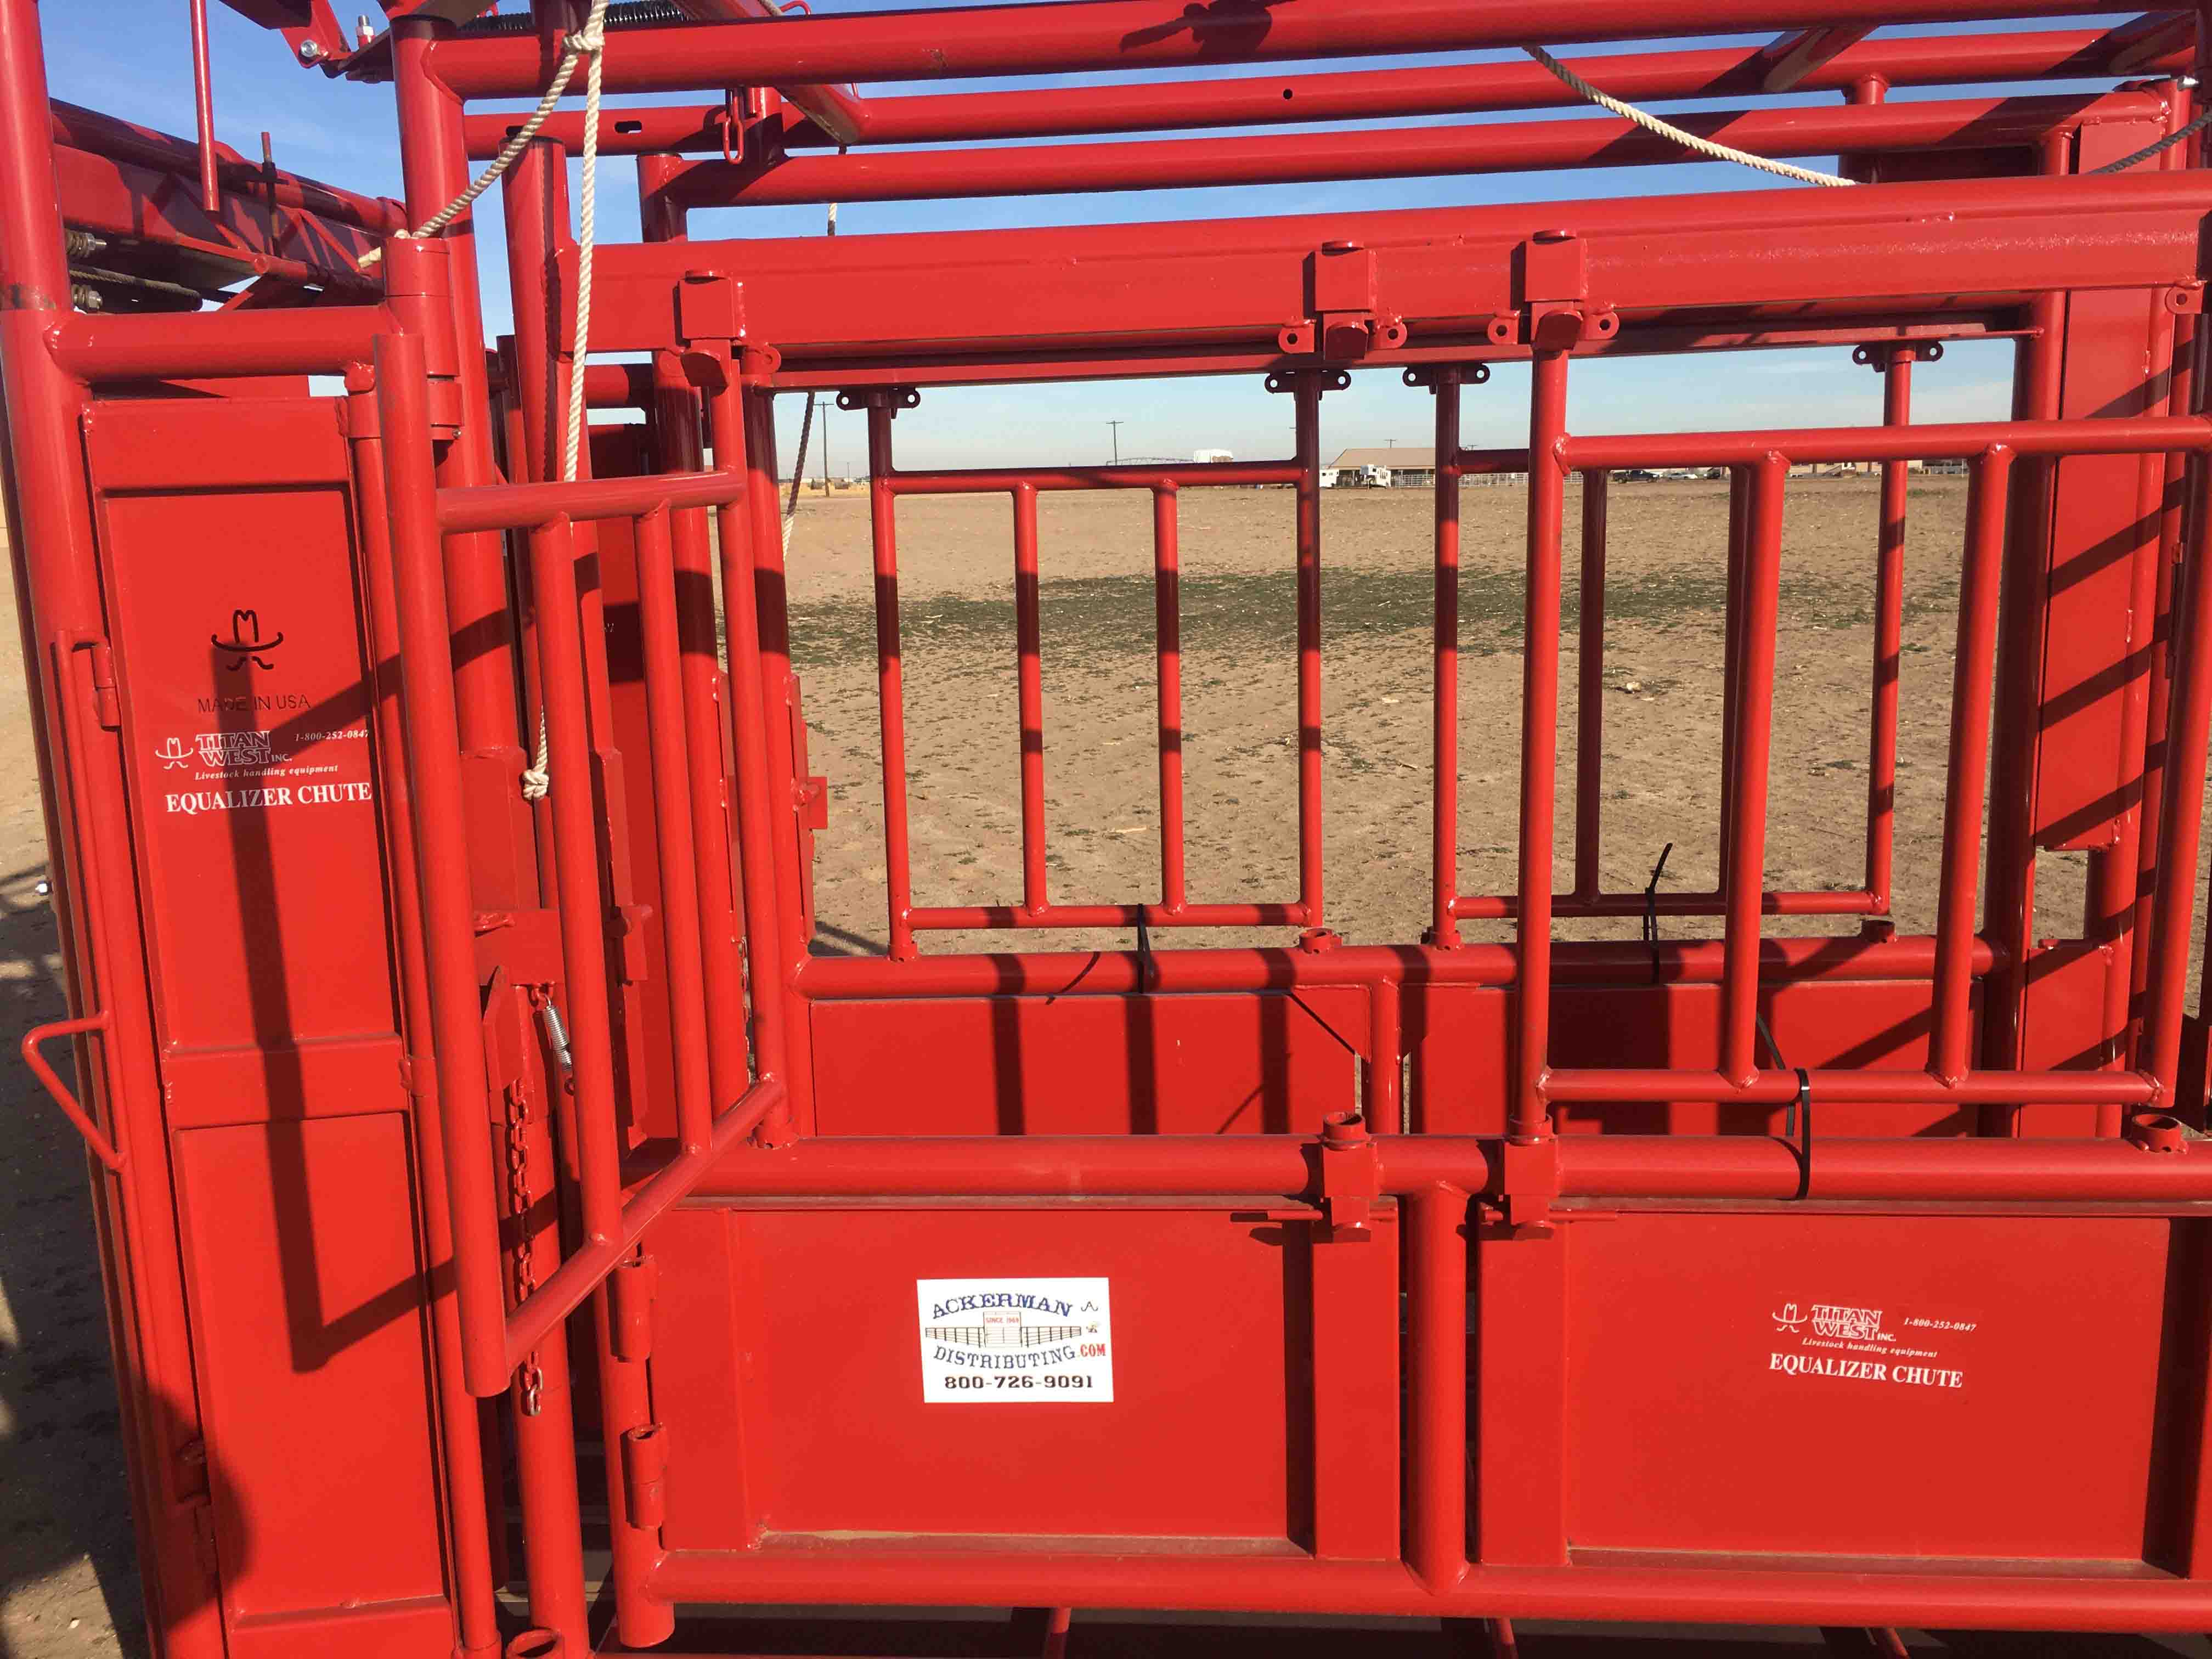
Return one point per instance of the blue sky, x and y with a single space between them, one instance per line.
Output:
132 56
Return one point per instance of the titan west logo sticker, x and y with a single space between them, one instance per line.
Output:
997 1341
1837 1342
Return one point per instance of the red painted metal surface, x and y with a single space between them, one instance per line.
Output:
460 1151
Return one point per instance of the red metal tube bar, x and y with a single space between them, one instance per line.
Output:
1750 743
1896 363
1658 1168
668 734
761 823
434 751
1384 153
1028 699
1436 1416
891 701
1306 394
1083 973
1819 902
1451 468
1347 95
840 112
1739 534
459 1425
1113 34
1590 695
204 109
952 918
563 1290
992 481
1779 1088
1539 706
1167 645
1383 1091
119 346
2180 832
1957 442
582 903
1966 788
531 506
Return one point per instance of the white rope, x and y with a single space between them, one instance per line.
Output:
587 40
537 776
1689 140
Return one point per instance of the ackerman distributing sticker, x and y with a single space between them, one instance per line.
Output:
1834 1341
1003 1340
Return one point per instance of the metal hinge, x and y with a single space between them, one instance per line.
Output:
106 701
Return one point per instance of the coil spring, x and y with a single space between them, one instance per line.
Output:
623 13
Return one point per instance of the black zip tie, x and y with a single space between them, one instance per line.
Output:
1651 909
1799 1116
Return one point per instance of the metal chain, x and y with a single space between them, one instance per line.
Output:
531 1378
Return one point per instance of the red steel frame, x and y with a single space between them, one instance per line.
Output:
487 600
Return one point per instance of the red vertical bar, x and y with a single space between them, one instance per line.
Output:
1539 740
1443 879
891 701
1382 1101
1589 686
1732 647
676 409
1436 1359
757 817
583 904
459 1428
1749 749
1028 677
2180 840
1167 638
1306 389
203 108
2173 483
433 766
1972 691
667 732
1888 635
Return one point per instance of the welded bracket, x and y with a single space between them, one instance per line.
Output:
1427 377
1551 280
1530 1181
1877 353
893 398
1351 1178
1342 323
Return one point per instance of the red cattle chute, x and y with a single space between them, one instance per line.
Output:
435 830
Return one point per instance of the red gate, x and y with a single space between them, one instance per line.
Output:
431 801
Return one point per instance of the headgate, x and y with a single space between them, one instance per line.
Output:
519 1238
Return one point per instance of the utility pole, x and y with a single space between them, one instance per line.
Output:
1116 425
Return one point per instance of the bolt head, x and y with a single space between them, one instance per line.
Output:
309 51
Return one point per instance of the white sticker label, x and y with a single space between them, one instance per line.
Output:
1831 1339
1006 1340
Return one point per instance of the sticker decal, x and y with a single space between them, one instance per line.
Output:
1002 1341
1855 1344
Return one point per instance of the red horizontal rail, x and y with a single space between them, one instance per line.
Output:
1085 973
1347 95
811 1570
214 344
524 506
1489 907
1081 35
1959 442
1655 1167
1394 153
986 481
1610 1085
942 918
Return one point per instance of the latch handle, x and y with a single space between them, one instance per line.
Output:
104 1150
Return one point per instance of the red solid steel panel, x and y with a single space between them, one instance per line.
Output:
1207 1307
1204 1065
1853 1386
325 1538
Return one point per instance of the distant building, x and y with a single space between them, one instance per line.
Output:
1411 467
1210 456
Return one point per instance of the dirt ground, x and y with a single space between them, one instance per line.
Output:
67 1586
